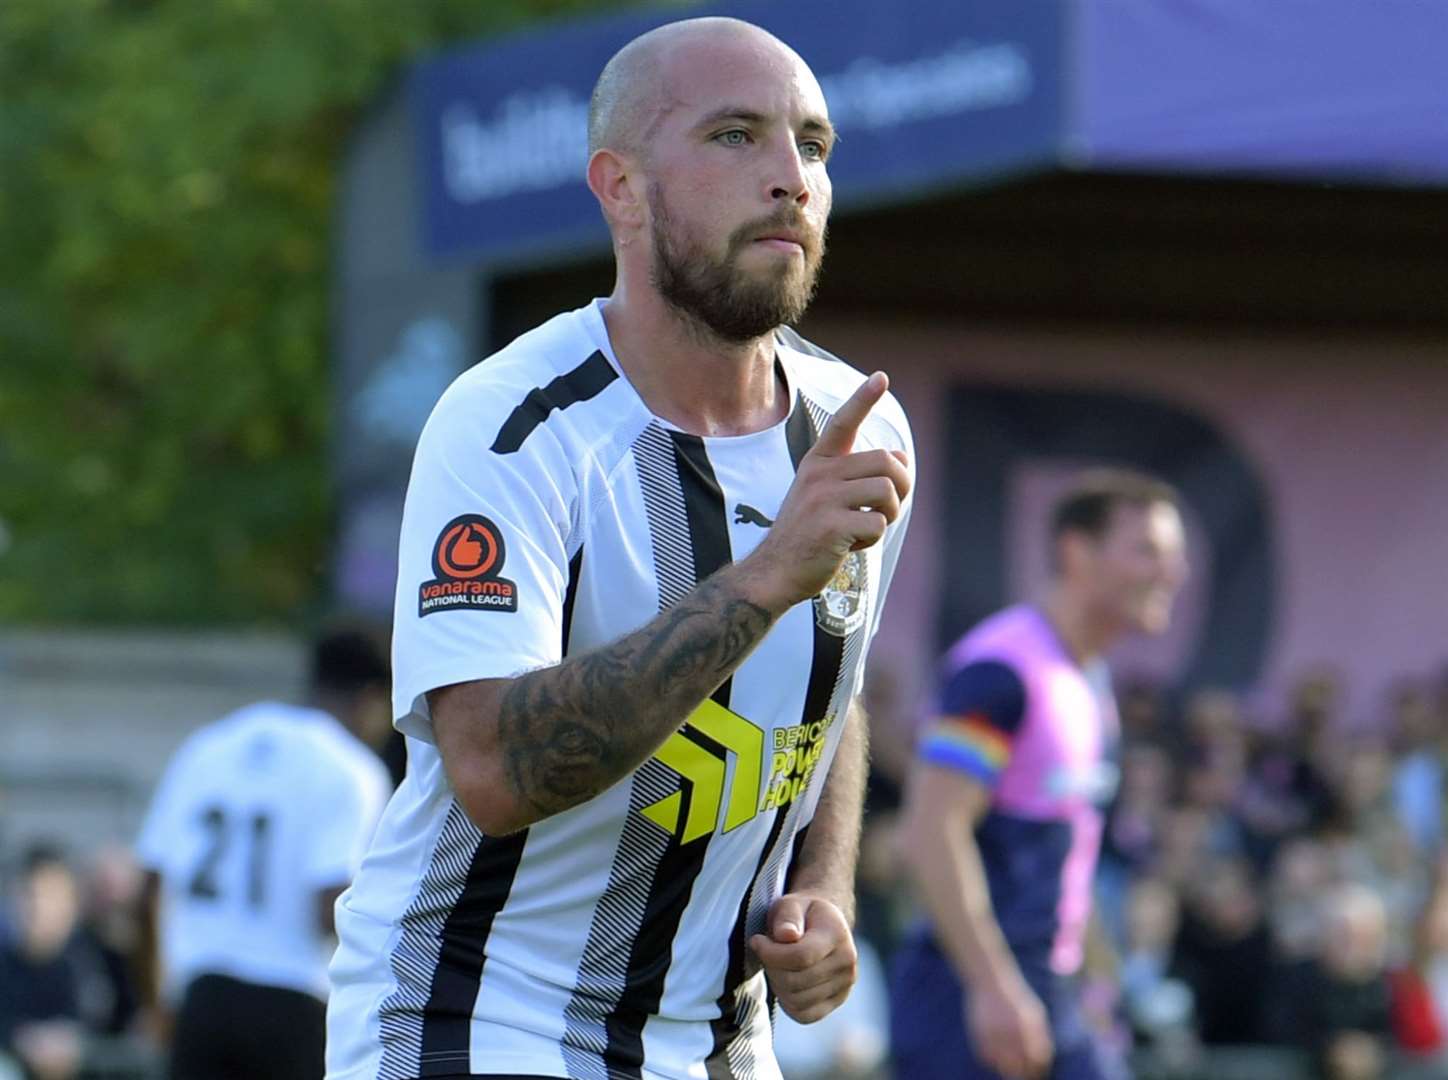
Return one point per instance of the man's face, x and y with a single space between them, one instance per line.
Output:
738 190
1138 566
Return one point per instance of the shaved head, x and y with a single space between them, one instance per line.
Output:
632 93
707 147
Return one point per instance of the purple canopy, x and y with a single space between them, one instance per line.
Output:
931 95
1334 89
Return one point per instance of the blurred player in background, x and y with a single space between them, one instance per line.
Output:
259 823
1003 818
644 549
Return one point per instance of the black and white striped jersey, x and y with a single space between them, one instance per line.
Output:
549 512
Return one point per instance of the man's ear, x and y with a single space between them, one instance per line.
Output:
617 183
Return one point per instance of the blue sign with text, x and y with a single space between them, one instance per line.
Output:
923 95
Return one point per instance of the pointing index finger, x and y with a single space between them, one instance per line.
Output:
838 436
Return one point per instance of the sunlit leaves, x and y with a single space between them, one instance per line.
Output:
167 173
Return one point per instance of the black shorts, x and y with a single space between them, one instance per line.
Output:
233 1030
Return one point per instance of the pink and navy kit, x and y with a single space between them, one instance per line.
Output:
1018 714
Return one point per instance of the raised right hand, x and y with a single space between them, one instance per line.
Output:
1009 1030
840 501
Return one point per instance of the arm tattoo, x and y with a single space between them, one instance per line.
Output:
568 732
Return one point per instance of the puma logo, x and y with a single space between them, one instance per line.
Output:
744 514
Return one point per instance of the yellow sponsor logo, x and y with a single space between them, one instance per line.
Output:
704 775
797 751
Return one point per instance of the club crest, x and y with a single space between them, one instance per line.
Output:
840 609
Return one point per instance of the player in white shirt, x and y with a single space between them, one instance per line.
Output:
260 821
644 550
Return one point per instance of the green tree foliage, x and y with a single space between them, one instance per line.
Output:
167 173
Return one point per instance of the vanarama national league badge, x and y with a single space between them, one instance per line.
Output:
840 608
467 561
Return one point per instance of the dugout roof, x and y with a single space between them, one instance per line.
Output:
931 96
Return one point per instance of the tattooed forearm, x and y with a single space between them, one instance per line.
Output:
568 732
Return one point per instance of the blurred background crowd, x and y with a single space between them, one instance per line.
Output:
1273 896
247 243
1273 889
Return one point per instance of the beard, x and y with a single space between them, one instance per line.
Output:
732 304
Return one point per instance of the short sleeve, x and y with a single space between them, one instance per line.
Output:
982 705
162 828
483 558
898 438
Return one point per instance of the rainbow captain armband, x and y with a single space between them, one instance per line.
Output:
970 744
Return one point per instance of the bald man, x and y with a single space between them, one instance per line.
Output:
644 551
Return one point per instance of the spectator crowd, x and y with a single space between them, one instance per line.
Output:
1276 882
1263 883
69 999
